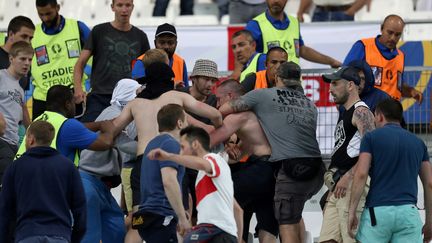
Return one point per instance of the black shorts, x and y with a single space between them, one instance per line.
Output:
135 181
158 232
254 187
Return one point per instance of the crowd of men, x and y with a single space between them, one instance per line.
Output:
197 159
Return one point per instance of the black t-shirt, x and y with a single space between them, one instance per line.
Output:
113 51
4 64
248 83
211 101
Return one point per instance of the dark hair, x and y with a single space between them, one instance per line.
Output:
43 3
18 22
274 49
233 86
168 116
42 131
193 133
246 33
57 97
21 46
391 109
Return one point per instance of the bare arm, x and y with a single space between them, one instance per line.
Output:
124 118
194 122
192 162
234 106
314 56
230 125
410 92
172 191
303 8
26 116
201 109
355 7
106 137
363 119
2 124
357 188
78 74
426 178
238 216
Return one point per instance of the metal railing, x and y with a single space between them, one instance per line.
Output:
417 117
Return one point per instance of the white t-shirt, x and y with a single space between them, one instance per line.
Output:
215 195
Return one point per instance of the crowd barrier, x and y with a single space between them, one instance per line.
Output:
417 116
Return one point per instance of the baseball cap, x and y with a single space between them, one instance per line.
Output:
165 29
206 68
362 65
345 72
289 70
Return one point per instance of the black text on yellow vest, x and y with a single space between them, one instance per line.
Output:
55 58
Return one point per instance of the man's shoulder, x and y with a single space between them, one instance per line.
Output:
102 27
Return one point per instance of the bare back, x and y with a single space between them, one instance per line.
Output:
248 129
144 113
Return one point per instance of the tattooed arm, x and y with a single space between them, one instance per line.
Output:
363 119
234 106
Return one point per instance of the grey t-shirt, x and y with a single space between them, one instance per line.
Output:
109 162
289 120
11 102
113 51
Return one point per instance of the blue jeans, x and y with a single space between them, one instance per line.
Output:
44 239
105 219
324 16
186 7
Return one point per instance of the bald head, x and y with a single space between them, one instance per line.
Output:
391 31
393 19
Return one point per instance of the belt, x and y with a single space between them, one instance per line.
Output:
333 8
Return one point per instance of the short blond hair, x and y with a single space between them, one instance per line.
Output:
21 46
155 55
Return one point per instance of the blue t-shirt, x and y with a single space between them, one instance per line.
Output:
153 197
254 28
357 52
74 135
397 155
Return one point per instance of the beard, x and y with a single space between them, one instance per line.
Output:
342 99
52 22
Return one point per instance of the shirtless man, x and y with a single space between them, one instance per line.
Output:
143 110
254 181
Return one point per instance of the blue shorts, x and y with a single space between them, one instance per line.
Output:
396 224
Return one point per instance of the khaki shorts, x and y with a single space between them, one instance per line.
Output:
335 221
125 177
